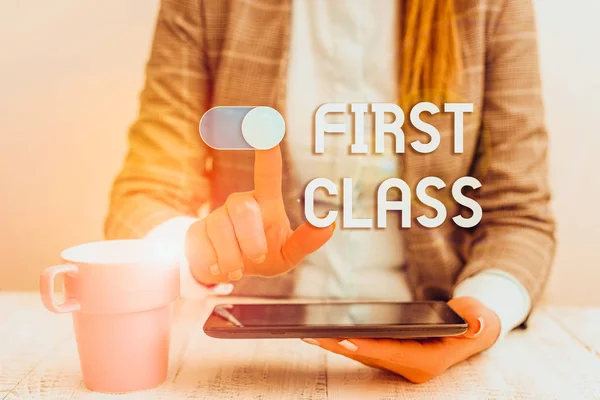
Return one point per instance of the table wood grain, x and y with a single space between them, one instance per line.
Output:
582 323
556 358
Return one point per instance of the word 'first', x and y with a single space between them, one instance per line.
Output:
395 127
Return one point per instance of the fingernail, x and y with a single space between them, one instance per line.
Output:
481 326
348 345
312 341
235 275
260 260
223 289
214 269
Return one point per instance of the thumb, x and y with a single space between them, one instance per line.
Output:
304 240
480 318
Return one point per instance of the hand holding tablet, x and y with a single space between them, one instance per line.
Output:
421 360
435 335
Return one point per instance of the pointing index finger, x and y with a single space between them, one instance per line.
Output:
267 174
263 128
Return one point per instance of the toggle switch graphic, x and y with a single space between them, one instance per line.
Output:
242 128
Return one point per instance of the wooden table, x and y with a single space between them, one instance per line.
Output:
556 358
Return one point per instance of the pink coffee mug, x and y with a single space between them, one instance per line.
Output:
120 293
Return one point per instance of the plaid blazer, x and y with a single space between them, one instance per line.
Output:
235 52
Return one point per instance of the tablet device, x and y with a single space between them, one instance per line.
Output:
425 319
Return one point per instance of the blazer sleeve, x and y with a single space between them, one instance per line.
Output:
164 171
516 233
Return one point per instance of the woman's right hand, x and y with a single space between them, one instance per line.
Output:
250 234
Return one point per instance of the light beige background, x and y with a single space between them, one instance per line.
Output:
70 75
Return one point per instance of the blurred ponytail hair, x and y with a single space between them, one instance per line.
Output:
430 50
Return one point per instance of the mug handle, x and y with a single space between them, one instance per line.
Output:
47 289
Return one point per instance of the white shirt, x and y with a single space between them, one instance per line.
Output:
348 54
336 55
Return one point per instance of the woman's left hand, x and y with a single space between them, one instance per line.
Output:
421 360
